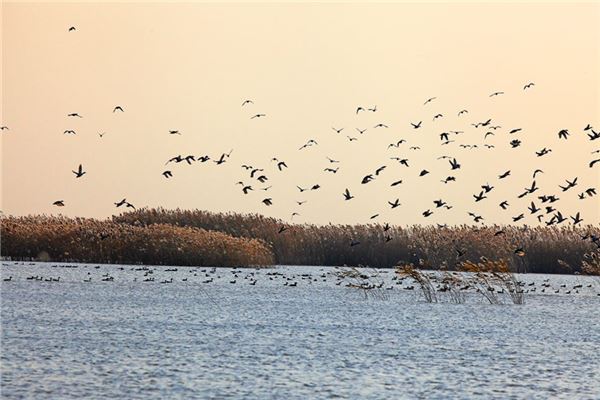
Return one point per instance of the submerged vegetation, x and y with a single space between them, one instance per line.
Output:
195 237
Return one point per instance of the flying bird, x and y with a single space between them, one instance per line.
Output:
527 86
118 108
59 203
504 175
347 195
563 134
569 184
380 170
80 172
394 204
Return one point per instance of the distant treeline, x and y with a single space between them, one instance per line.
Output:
195 237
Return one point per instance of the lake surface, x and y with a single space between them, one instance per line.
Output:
126 338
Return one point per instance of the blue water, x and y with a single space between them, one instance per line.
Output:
145 340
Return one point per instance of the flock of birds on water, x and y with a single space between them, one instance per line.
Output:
542 206
372 278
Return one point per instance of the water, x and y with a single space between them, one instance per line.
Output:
147 340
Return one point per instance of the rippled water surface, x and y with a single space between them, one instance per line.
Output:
127 338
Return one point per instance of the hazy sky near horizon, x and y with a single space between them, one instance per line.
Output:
189 67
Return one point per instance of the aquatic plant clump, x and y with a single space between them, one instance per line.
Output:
546 249
256 239
89 240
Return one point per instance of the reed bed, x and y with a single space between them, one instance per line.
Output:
89 240
196 237
546 249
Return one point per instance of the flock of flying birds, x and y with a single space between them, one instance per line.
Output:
542 206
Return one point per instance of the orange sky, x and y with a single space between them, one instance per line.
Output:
188 67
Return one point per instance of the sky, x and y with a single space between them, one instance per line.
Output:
307 67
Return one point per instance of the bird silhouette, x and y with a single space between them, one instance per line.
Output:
576 219
594 135
417 125
563 134
429 100
532 208
118 108
496 94
529 85
69 132
80 172
395 203
480 196
167 174
59 203
268 201
72 29
74 115
518 217
569 184
543 152
504 175
347 195
245 102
